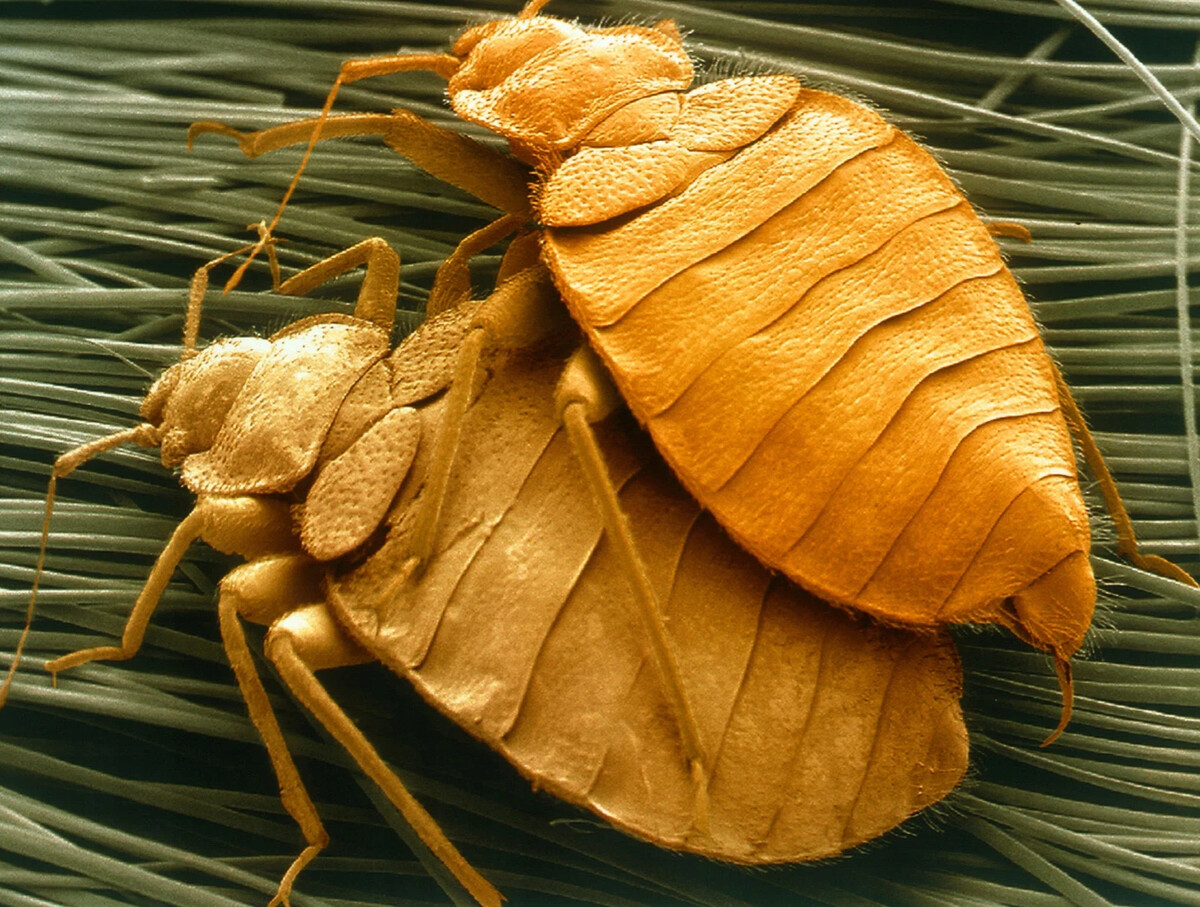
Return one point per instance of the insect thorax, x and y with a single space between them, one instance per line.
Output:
544 84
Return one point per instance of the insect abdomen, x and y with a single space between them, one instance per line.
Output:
529 638
826 346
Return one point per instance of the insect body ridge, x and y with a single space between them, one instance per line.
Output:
879 269
259 428
798 304
851 345
522 630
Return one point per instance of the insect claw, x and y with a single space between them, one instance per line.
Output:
283 895
700 785
1010 230
245 140
1062 668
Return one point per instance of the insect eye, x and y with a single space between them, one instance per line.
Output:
160 394
469 39
192 398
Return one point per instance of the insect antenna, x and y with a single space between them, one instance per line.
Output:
445 65
532 8
199 283
145 435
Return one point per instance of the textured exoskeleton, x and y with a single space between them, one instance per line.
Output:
819 730
294 446
310 453
794 299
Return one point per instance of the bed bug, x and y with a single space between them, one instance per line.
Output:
822 729
797 303
258 426
309 453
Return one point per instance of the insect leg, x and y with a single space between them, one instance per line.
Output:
1126 538
478 170
248 526
351 71
198 287
145 435
461 161
297 132
377 295
452 285
139 618
1010 230
520 312
262 591
309 639
585 394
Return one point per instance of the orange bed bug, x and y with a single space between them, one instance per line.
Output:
794 299
309 453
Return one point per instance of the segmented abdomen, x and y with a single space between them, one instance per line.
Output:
825 345
820 730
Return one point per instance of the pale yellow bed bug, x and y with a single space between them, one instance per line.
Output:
309 453
794 299
820 730
257 426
